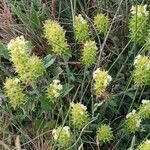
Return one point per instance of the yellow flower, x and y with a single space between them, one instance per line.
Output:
104 133
102 80
144 109
141 73
82 32
14 92
89 53
133 121
53 90
79 115
144 146
55 36
139 10
102 23
138 23
32 70
63 136
29 68
19 44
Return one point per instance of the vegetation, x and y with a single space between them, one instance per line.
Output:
74 75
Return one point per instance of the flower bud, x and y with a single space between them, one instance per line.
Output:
104 133
102 23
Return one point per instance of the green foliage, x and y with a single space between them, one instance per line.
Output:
95 74
4 51
31 20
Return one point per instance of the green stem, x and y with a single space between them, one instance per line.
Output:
69 74
133 100
84 77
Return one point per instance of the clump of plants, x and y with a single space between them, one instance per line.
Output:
81 93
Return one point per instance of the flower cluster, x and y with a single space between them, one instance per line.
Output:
63 136
55 36
139 10
19 50
19 45
81 29
79 115
102 23
89 53
144 109
133 121
141 73
14 92
29 68
144 146
102 80
138 23
32 71
104 133
53 90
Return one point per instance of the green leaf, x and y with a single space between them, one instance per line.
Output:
4 51
17 10
49 60
34 20
97 105
56 72
50 124
66 89
46 105
37 3
132 143
39 125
